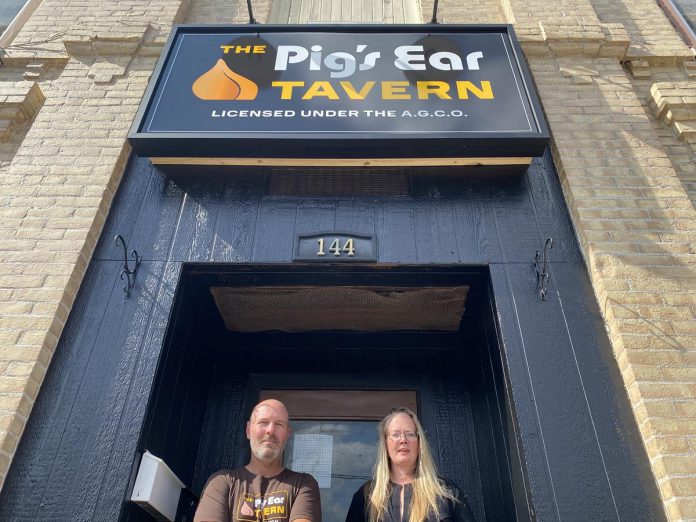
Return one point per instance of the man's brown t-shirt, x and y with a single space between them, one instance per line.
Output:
237 495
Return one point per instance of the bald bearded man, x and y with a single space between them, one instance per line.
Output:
263 490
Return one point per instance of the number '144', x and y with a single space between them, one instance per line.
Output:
336 249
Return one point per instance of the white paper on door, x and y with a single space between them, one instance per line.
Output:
311 453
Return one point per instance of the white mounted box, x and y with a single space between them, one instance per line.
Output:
157 488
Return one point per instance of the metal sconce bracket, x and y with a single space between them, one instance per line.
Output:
127 272
542 274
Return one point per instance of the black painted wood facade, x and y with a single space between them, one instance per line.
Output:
579 450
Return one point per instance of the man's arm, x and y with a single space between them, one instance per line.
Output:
307 504
213 506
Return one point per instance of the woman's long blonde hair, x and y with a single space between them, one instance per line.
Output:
427 488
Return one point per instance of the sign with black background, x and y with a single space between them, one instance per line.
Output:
243 91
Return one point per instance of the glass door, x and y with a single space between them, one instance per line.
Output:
339 454
334 438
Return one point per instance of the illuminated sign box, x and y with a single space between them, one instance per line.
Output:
358 95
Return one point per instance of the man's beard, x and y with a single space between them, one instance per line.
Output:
266 453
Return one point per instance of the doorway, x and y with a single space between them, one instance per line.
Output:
334 434
425 338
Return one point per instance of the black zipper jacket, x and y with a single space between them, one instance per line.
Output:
450 510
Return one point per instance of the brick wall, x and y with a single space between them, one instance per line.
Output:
72 80
625 176
619 91
636 225
450 12
668 96
226 11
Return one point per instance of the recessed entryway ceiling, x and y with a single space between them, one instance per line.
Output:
351 308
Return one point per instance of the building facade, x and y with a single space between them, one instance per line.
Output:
594 388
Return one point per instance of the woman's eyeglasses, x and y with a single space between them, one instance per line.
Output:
396 435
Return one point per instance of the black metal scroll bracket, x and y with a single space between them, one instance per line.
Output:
542 274
128 273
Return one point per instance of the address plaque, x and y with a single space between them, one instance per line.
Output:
331 247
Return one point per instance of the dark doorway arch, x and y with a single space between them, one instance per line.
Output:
211 373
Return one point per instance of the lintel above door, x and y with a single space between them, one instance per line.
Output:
342 404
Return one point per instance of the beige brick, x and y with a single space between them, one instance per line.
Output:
686 409
681 509
683 486
667 445
9 442
19 369
680 464
4 464
648 373
682 375
10 402
12 384
10 423
674 426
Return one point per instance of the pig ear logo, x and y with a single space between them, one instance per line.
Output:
222 83
247 509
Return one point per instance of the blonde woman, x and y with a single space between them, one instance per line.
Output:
405 486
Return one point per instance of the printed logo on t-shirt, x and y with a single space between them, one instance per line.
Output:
270 508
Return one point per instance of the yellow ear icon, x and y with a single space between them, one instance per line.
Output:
222 83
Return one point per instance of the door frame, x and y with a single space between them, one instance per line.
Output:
193 299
